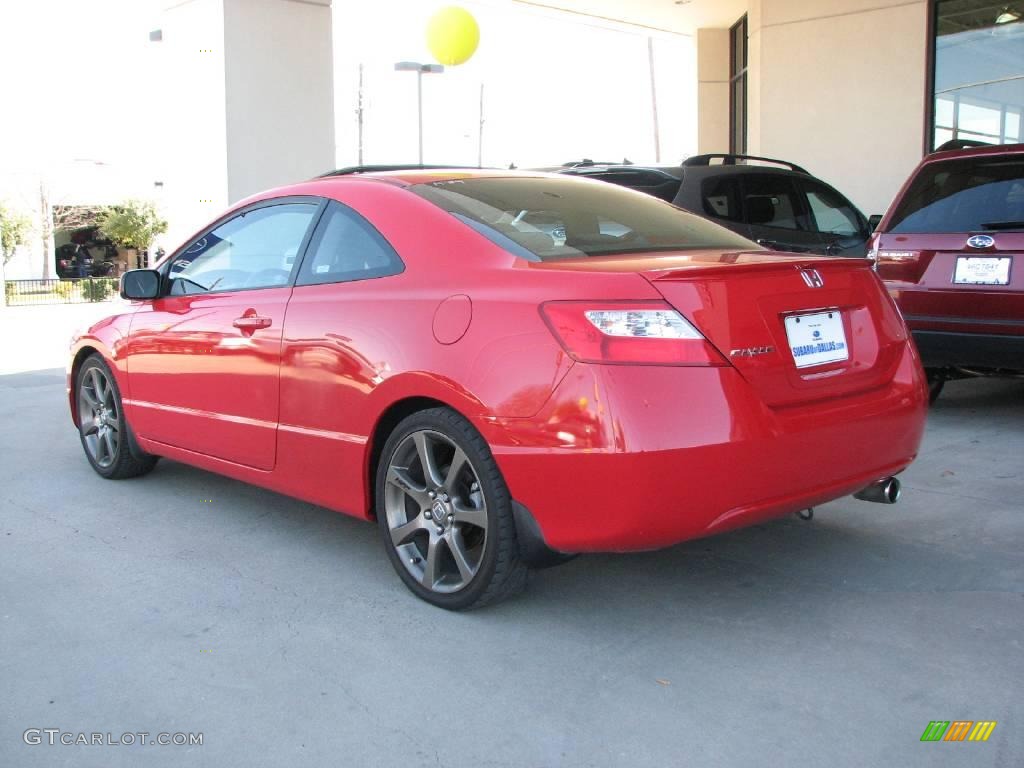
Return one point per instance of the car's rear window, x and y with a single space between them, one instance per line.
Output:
546 219
964 195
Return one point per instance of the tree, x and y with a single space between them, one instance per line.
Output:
133 224
14 231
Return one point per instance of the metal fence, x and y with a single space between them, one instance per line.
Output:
20 293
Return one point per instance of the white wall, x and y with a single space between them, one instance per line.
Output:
190 118
247 103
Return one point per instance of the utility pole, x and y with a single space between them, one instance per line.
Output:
654 100
359 113
480 138
420 70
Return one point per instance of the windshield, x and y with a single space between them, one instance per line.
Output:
546 219
964 195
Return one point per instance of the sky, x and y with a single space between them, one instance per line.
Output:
80 88
555 88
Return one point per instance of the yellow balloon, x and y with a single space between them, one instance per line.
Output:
452 35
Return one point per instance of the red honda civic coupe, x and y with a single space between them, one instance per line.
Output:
503 369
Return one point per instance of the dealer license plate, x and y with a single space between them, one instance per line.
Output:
817 339
982 270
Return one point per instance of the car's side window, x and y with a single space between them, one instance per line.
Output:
347 247
255 249
721 198
772 200
831 212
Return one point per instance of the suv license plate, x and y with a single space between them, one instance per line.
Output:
982 270
817 339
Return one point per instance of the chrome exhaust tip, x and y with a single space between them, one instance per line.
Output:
884 491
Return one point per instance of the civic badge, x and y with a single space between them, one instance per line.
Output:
751 351
980 241
812 277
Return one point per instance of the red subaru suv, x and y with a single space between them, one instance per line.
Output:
946 249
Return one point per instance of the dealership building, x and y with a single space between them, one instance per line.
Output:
854 90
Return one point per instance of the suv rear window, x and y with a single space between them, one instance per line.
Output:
964 195
545 219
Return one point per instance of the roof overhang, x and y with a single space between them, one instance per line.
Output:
677 16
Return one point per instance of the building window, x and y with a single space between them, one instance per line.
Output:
738 87
977 72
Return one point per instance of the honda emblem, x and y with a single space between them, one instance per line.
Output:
812 277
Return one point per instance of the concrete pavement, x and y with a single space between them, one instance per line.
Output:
186 602
36 337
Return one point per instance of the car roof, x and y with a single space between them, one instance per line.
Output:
678 171
985 151
424 174
596 168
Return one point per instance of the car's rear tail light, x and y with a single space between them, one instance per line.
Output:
639 333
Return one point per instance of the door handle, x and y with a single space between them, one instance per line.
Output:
251 322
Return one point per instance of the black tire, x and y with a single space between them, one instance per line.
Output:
478 489
936 381
106 437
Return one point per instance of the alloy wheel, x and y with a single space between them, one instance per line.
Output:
99 417
436 511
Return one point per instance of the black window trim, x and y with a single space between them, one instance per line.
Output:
929 144
737 74
319 202
320 225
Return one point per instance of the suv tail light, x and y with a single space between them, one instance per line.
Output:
628 332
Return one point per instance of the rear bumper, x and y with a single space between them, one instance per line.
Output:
942 349
631 457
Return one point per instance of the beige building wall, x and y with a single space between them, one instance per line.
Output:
836 86
280 92
712 90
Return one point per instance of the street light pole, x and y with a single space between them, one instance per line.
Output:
420 70
419 114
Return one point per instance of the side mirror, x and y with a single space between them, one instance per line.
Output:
873 222
140 284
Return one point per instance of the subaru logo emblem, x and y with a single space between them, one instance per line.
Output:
812 277
981 241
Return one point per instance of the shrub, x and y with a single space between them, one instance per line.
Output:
65 289
98 289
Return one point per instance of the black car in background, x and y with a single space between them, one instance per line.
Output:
775 203
88 254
